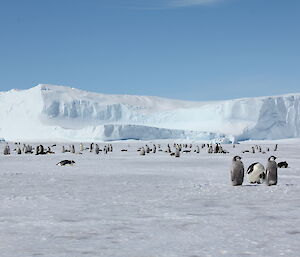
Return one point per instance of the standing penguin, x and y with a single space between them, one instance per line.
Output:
72 149
177 153
19 150
97 149
91 147
271 171
6 150
237 171
256 173
142 152
81 147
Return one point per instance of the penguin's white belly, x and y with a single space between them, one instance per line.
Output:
257 174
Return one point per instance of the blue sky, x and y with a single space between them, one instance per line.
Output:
187 49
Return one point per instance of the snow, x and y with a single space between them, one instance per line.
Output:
48 112
124 204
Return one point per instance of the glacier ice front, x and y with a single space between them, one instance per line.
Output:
48 112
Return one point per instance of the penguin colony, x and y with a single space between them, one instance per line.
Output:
256 173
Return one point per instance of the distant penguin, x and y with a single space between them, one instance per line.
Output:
105 149
169 149
66 163
142 152
6 150
271 171
276 148
147 149
237 171
177 153
41 149
19 150
256 173
37 150
72 149
282 164
216 148
97 149
154 148
81 148
49 151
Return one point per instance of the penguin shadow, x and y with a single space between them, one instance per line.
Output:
263 184
288 185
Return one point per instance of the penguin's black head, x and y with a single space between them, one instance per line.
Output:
272 158
237 158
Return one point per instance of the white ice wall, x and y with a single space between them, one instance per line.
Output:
48 112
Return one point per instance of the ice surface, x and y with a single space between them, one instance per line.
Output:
48 112
126 205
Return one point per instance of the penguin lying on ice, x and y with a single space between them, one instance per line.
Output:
256 173
66 163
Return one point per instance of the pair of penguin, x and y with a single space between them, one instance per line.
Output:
256 172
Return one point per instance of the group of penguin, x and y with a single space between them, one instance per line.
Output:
256 172
93 147
177 149
28 149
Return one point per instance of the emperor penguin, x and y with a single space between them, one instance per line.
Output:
37 150
66 163
271 171
237 171
81 147
6 150
19 150
72 149
97 149
256 173
177 152
142 152
147 149
154 148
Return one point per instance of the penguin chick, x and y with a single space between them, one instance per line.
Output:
271 171
237 171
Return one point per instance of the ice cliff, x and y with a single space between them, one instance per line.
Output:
51 113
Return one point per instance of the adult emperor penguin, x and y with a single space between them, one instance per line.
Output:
237 171
177 152
81 147
256 173
142 152
271 171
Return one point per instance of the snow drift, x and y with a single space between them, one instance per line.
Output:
48 112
